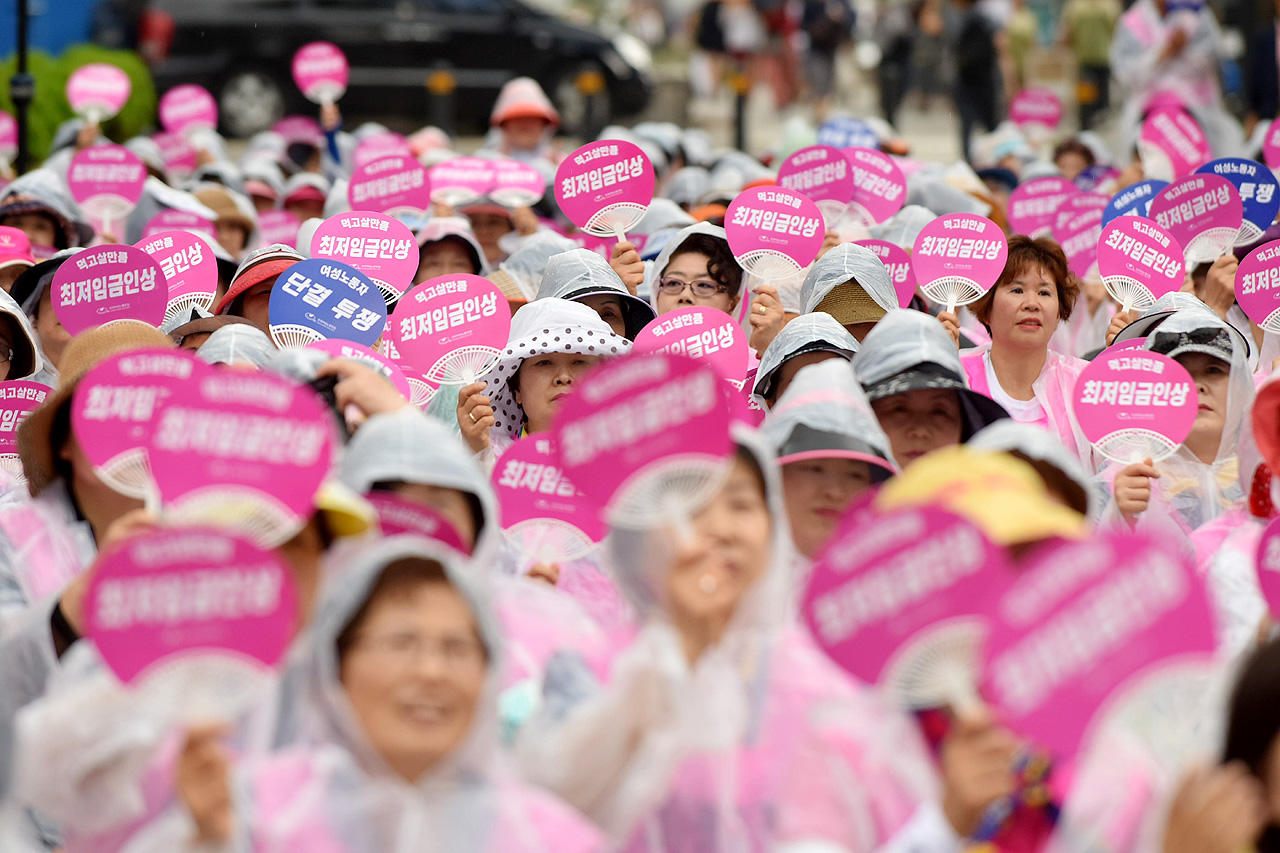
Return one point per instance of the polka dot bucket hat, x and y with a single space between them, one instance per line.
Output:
546 326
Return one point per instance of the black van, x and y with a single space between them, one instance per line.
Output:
241 51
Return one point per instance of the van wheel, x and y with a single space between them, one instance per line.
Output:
250 102
573 103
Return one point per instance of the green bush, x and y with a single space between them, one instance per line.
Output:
50 108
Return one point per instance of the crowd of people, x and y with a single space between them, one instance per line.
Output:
658 691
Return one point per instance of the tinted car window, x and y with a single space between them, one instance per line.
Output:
469 7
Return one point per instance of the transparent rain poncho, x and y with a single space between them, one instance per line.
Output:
907 340
806 333
904 227
581 272
1227 550
406 446
1190 493
846 263
238 345
335 792
1196 491
527 263
1038 445
687 185
663 213
826 398
761 744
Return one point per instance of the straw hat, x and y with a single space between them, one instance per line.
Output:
86 350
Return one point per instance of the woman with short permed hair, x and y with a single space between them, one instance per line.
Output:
1035 292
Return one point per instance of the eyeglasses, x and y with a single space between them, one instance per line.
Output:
702 288
406 650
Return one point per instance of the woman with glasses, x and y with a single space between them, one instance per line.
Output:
402 680
696 268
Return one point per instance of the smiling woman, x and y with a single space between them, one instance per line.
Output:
1021 311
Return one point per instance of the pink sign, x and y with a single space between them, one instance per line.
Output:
106 181
278 226
421 391
379 246
1271 146
399 517
879 188
1258 286
1079 237
451 328
393 184
188 265
176 593
178 220
178 153
517 184
1082 624
116 406
958 257
321 72
892 593
1203 213
1079 203
98 91
8 136
605 187
17 400
1139 261
1135 404
106 283
188 107
249 446
542 511
369 358
378 146
1036 107
635 415
1034 205
1267 561
819 172
703 334
773 232
1172 144
898 263
461 180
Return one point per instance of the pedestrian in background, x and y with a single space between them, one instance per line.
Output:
978 84
1087 28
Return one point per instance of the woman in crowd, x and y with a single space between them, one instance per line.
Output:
914 379
720 729
553 343
584 276
808 339
1200 481
830 448
1021 312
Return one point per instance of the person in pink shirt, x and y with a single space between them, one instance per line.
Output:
1022 311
